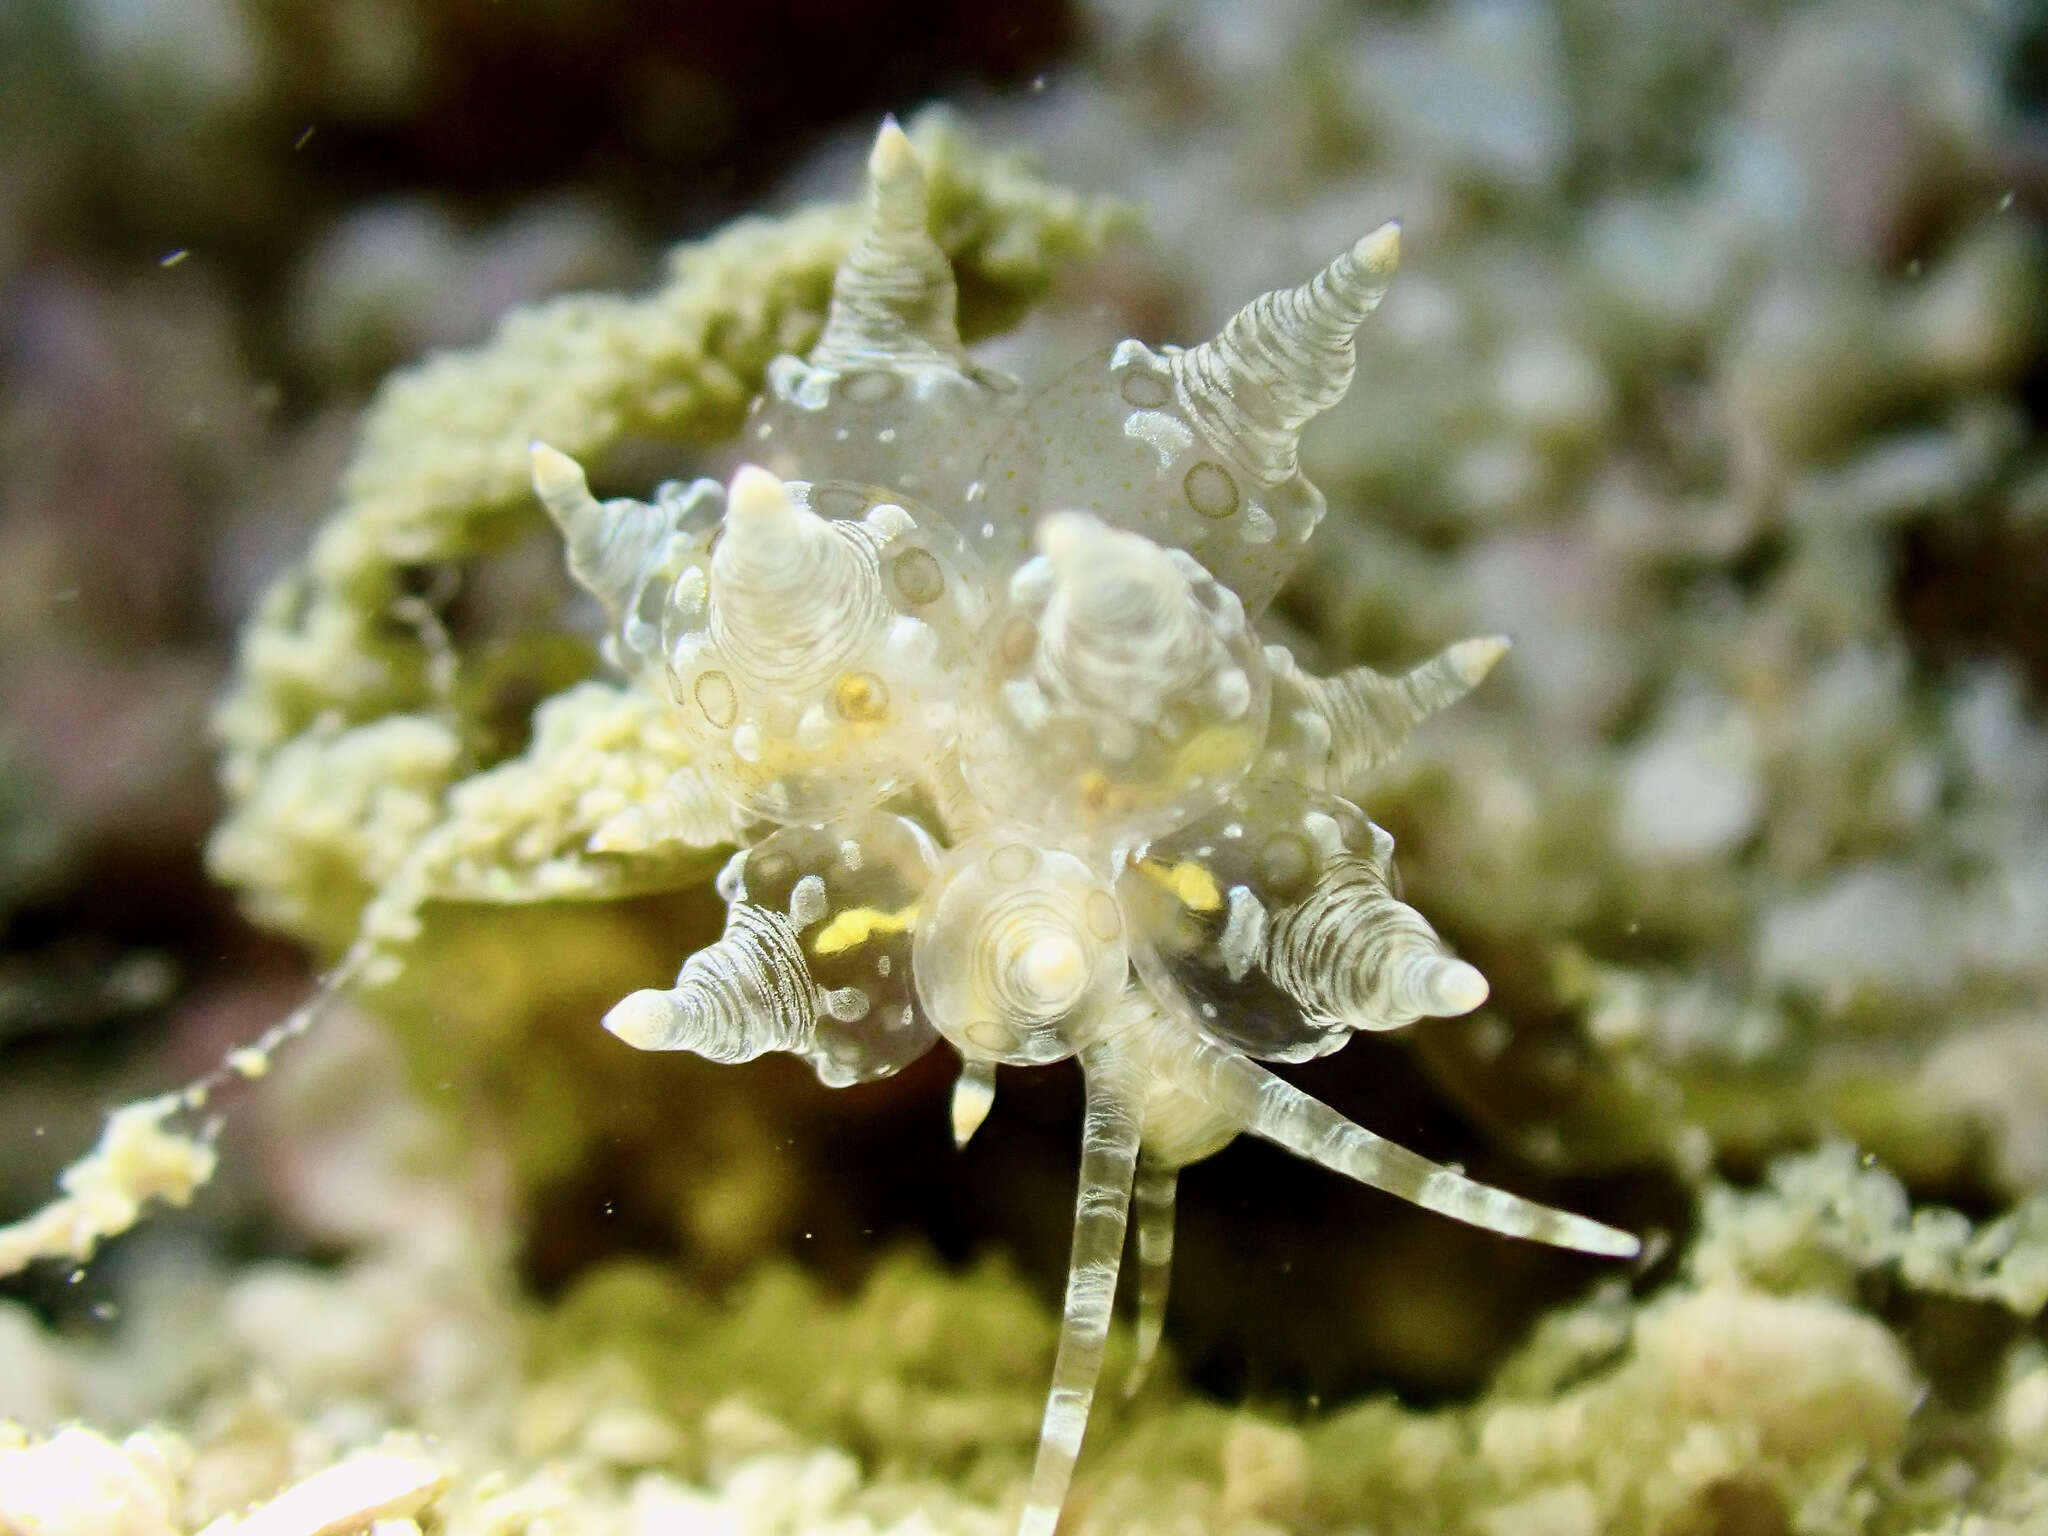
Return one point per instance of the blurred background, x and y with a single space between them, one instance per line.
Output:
1714 375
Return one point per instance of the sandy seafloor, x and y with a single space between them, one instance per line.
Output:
1714 376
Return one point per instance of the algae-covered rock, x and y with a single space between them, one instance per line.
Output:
1754 1393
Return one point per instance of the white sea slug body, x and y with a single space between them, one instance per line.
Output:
980 669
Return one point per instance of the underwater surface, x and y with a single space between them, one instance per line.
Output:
1712 378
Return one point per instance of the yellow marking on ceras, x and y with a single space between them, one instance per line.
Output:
1189 883
856 925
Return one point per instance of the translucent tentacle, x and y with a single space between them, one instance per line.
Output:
960 815
1284 359
1178 1130
1267 1106
1109 1155
746 995
1338 729
1152 1203
893 298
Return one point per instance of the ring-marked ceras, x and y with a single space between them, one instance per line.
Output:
979 668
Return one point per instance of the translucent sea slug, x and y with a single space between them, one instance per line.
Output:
973 675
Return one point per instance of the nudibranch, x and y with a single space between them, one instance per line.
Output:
977 671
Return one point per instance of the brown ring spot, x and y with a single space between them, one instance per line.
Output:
1210 490
918 576
1104 920
1145 391
767 872
1012 862
714 694
1018 643
840 502
1287 865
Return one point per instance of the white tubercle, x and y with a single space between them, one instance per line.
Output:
1471 660
766 532
560 483
1447 987
645 1020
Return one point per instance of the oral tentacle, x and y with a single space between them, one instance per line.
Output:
1152 1201
1109 1157
1274 1109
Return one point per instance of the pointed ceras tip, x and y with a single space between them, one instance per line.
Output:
757 498
897 207
1379 252
1455 988
642 1019
1285 358
557 478
765 534
1473 659
893 297
893 155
